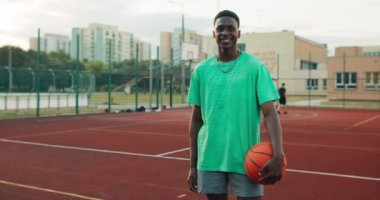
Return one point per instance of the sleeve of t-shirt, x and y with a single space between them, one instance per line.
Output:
266 90
194 91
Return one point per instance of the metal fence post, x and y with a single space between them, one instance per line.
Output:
38 74
77 78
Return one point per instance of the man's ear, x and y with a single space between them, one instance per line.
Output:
239 34
213 34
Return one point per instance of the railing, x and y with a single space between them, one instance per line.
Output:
58 92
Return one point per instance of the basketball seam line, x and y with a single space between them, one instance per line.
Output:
257 165
259 152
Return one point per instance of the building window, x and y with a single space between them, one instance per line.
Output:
324 84
372 81
306 65
346 80
311 84
372 53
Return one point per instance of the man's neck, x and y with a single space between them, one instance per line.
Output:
226 55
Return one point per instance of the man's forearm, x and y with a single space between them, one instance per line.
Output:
194 130
273 126
274 129
196 123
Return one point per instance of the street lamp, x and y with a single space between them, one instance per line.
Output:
183 19
181 48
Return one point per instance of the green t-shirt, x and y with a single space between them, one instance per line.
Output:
230 105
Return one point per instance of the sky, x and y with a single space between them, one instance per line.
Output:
331 22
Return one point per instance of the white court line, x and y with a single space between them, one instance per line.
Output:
75 117
87 149
61 132
171 152
333 174
98 116
140 133
333 146
298 117
83 129
70 118
328 132
173 158
75 148
176 158
362 122
48 190
47 133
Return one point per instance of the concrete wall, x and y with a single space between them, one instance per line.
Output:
18 101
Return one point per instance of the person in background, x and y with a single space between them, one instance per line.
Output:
282 102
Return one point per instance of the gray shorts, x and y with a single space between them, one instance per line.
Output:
217 183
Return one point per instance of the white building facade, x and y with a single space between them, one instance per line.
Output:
104 43
51 42
144 50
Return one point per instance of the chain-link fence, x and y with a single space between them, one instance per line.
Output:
50 81
68 92
28 92
332 93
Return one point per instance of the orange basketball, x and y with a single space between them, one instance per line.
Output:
256 158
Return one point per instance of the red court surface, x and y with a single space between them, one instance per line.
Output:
332 155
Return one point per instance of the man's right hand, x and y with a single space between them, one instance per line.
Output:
192 180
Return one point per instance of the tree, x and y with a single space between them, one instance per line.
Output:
95 66
59 60
19 58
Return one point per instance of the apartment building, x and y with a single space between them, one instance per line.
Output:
105 43
165 46
354 73
51 42
144 50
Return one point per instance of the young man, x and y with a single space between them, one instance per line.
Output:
228 92
282 103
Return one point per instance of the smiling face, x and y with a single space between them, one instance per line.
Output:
226 32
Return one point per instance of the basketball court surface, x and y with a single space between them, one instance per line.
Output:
332 154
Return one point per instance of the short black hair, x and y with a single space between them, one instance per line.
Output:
227 13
